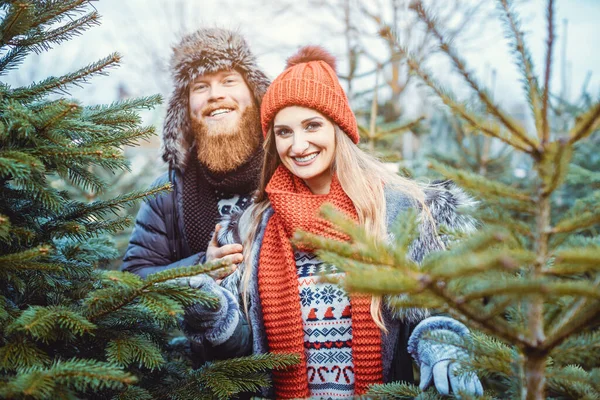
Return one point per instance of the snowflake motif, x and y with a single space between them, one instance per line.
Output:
306 296
328 294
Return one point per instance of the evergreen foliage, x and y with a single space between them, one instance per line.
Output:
529 278
67 328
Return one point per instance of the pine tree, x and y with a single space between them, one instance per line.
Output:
529 278
68 329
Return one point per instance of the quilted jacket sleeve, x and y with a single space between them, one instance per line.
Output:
156 238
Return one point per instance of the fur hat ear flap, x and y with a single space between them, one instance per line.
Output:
177 123
258 82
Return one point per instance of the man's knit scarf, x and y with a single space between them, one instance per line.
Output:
202 190
296 208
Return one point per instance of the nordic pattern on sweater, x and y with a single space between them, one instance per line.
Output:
327 327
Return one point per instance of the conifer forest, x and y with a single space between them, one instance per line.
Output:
526 282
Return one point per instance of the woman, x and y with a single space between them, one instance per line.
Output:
346 343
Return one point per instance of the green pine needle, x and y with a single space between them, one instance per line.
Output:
42 322
80 375
138 349
22 354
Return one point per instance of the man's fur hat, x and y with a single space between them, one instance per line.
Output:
204 51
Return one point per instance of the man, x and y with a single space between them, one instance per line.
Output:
212 142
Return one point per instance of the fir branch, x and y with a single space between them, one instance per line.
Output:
490 355
584 213
527 68
378 253
39 39
33 266
497 217
546 95
184 295
183 272
95 211
585 124
582 349
19 165
401 390
85 179
59 85
398 129
572 318
12 59
25 256
101 114
119 278
455 267
579 175
472 120
35 188
229 377
41 322
108 157
17 21
554 165
365 278
484 186
527 287
134 393
165 309
103 301
127 138
20 353
57 114
18 120
254 363
418 301
81 375
55 11
573 381
5 228
575 261
446 47
135 349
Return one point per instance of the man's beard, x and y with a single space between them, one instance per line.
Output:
222 148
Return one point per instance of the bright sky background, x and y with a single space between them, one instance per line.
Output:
143 30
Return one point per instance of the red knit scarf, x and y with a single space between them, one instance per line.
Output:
297 208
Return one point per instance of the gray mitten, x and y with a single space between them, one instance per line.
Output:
215 324
439 362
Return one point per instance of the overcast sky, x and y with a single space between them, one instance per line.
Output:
143 30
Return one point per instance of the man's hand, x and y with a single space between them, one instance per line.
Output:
231 253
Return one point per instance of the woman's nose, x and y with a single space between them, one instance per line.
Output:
300 144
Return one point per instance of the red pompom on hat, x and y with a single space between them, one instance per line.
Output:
310 80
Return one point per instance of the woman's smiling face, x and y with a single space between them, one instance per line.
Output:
305 141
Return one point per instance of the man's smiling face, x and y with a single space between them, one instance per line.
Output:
218 100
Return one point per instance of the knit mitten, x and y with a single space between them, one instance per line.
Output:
439 362
213 324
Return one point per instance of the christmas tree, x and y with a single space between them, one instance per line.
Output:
529 278
67 328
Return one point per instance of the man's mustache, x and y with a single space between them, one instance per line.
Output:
213 107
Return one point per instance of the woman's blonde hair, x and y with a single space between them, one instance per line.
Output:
362 177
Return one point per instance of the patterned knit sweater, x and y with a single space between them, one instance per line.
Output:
327 326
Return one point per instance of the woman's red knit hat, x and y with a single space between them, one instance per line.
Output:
309 80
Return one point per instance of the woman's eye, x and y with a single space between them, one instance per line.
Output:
200 87
313 126
229 81
282 132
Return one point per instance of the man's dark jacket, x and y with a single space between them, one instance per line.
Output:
158 242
